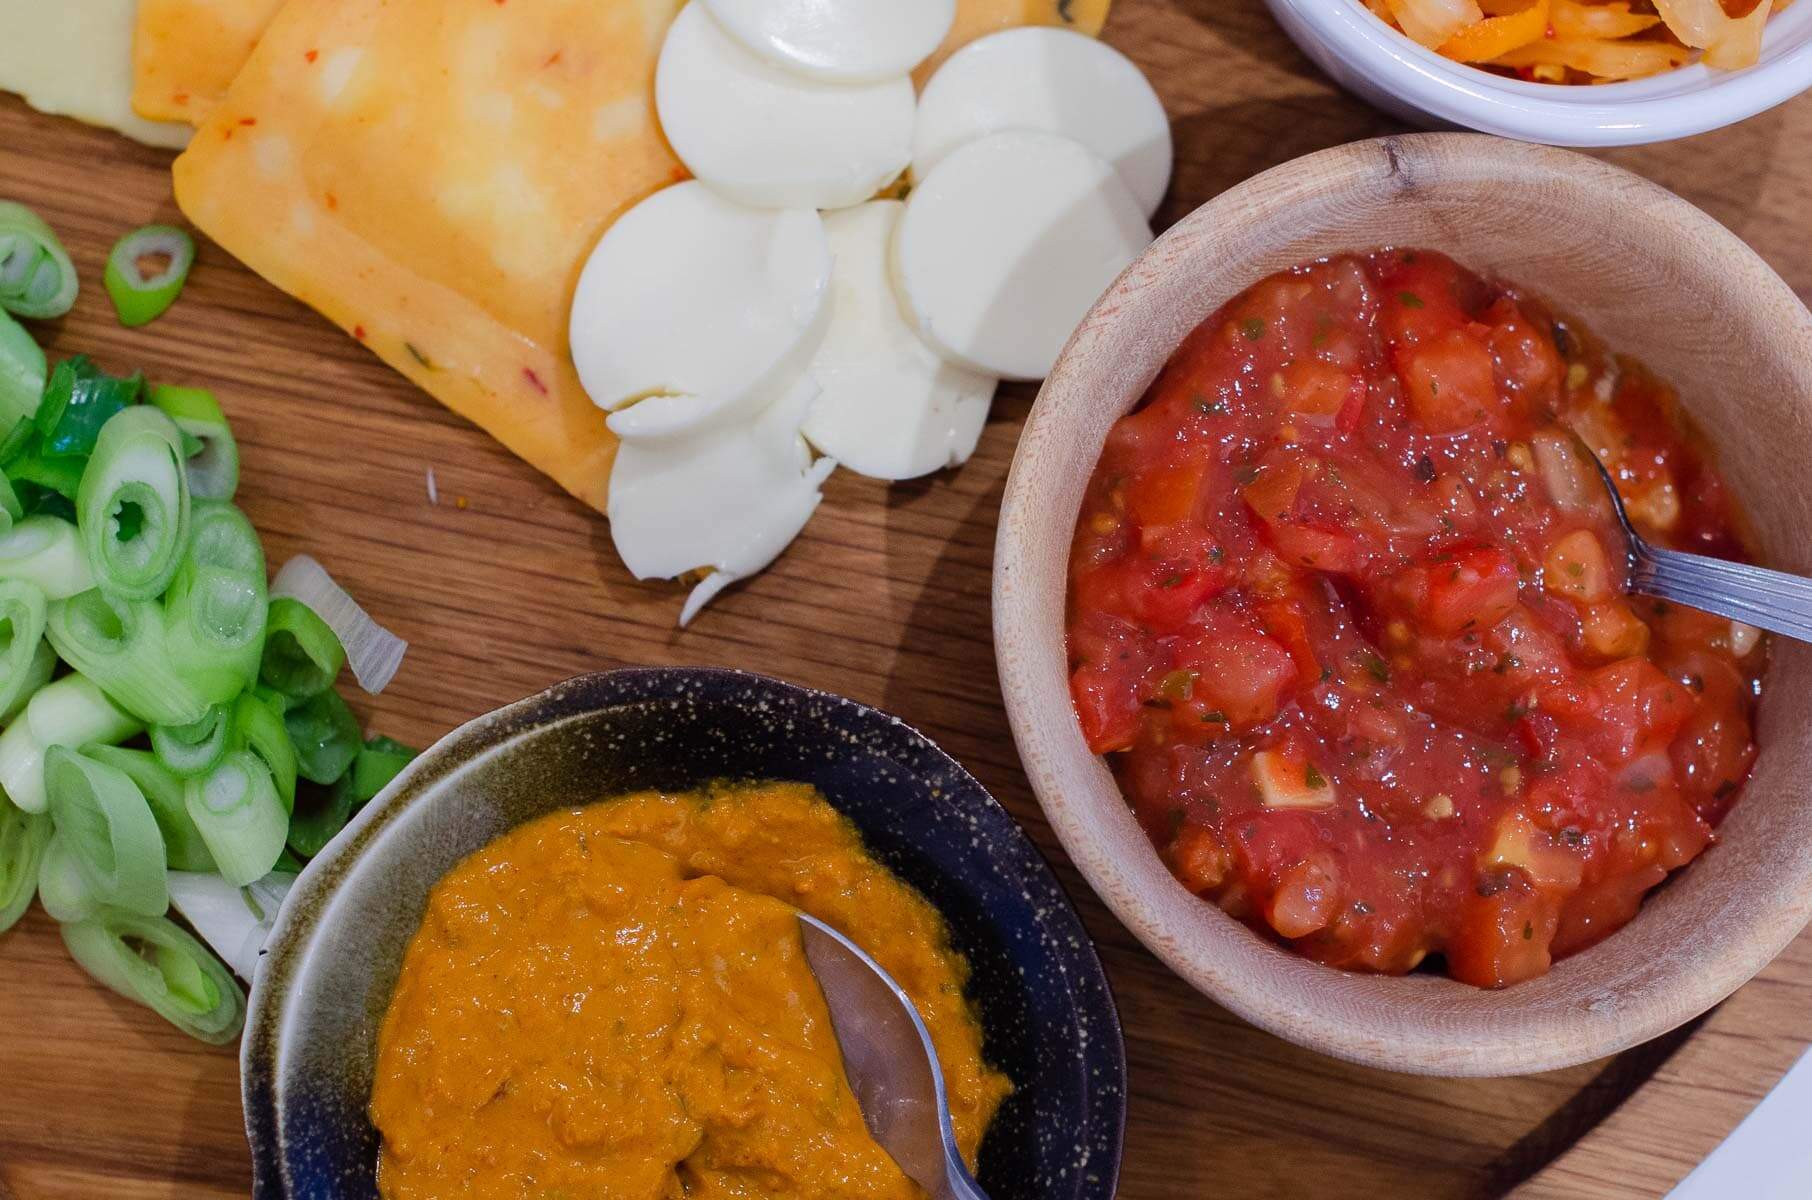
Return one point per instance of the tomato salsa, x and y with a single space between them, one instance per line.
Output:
1348 612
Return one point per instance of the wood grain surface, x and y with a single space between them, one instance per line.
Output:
508 585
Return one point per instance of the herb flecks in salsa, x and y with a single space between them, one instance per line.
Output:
1361 648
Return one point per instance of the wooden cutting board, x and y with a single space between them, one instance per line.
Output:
508 585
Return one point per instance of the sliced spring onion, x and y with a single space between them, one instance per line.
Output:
195 749
274 700
46 551
184 849
153 961
378 762
22 373
63 889
146 271
214 466
236 808
321 812
36 277
23 837
71 711
215 610
373 652
302 655
235 922
326 736
79 400
11 507
120 645
133 506
106 825
60 475
23 666
258 727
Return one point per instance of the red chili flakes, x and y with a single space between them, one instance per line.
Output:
248 120
358 331
180 97
552 59
311 55
529 372
332 201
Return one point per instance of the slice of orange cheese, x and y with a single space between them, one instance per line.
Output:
185 53
431 177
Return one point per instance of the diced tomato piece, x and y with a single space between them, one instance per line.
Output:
1242 677
1620 708
1161 595
1450 383
1601 908
1527 361
1271 493
1198 859
1284 621
1466 590
1306 899
1167 495
1113 663
1321 393
1506 930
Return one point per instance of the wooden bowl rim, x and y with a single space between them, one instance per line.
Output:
1417 1024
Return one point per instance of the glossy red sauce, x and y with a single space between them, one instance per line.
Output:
1348 615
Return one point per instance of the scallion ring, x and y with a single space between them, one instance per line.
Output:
106 825
194 749
214 461
23 837
326 736
302 655
133 505
215 610
72 711
36 277
146 271
63 889
184 848
259 727
152 961
120 645
46 551
23 372
23 665
240 817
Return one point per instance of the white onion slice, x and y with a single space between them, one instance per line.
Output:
236 922
373 652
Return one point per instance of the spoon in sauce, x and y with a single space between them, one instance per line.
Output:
1771 600
890 1062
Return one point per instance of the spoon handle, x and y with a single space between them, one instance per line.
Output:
1771 600
960 1185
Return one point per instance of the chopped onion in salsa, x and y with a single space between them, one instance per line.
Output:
1349 613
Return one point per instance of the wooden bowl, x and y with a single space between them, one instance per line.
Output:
1656 278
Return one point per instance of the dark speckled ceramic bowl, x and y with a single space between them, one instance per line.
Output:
1048 1018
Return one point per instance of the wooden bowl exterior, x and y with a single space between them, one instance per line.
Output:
1656 278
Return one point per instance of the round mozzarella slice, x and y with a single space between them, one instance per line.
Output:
692 308
1057 81
889 405
765 136
849 41
1007 243
726 501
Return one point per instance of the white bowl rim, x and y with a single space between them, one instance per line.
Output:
1690 100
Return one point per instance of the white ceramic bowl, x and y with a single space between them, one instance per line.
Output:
1375 62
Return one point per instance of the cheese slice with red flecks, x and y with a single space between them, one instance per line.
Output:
185 53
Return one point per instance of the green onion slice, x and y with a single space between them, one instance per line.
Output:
36 277
378 762
46 551
373 652
214 461
146 271
106 826
234 922
72 711
121 645
302 656
184 849
321 812
24 667
326 736
194 749
79 400
63 889
22 374
152 961
259 727
23 837
240 817
215 610
133 506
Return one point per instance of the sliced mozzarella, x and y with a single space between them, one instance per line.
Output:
1005 245
890 407
848 41
727 500
768 137
1055 80
693 309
